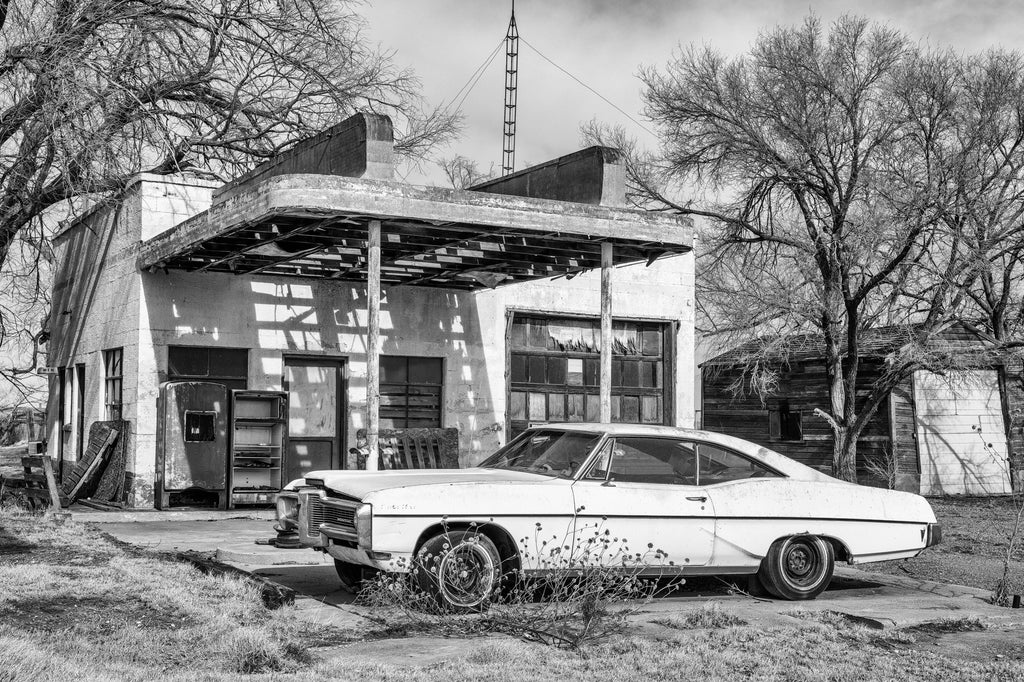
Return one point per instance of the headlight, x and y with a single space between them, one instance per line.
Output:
287 512
364 526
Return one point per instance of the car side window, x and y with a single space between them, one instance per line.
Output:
718 465
653 460
602 461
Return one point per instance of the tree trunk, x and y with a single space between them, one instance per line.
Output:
844 454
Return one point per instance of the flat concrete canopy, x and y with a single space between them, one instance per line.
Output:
313 225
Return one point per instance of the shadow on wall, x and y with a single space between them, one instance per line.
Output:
319 318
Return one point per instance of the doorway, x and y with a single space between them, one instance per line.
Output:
316 422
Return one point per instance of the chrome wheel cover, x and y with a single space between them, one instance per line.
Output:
466 575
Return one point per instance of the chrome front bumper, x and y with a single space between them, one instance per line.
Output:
322 519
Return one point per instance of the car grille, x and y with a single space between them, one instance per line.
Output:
318 513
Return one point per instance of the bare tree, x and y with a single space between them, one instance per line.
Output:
819 169
987 216
463 173
95 91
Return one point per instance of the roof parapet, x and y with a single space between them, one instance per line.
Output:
595 175
361 146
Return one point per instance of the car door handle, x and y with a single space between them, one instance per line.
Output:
697 499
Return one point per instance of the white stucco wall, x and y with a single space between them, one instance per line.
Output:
96 306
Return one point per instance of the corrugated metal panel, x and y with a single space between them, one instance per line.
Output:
960 434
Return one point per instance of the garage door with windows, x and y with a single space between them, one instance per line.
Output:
554 370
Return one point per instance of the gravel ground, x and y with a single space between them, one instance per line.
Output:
975 535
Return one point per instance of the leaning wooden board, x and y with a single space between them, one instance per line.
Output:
83 476
111 486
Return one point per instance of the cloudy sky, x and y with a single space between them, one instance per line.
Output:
604 42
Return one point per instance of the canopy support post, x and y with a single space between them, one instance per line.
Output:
606 332
373 345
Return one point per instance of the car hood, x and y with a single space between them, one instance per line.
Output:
362 483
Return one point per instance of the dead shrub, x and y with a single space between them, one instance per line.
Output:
590 582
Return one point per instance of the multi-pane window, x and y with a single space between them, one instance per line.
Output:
410 392
228 366
113 383
555 371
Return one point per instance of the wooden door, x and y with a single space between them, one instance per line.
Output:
960 434
316 424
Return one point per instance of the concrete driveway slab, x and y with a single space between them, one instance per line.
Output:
890 601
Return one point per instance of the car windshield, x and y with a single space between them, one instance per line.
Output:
556 453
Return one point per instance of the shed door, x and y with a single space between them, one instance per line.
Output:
960 434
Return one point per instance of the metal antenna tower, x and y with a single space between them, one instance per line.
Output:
508 157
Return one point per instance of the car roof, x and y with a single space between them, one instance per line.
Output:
773 459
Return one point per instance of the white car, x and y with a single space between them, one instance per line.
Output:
696 502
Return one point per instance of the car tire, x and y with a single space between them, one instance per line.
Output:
352 575
798 567
460 570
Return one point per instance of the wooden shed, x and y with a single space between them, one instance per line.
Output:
959 432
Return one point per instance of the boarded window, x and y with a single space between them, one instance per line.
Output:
410 392
554 371
113 382
785 424
227 366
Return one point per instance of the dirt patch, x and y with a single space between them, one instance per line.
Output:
51 554
94 614
13 548
966 638
946 625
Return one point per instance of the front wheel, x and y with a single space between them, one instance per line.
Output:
352 575
461 570
798 567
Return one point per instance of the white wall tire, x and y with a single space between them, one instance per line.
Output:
461 570
798 567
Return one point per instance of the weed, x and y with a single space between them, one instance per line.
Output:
945 625
886 467
568 590
1001 592
709 615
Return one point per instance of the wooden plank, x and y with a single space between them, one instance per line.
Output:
421 460
86 473
605 386
37 493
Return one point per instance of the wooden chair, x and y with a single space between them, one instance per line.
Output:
417 448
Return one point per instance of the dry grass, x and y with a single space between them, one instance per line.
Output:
74 607
77 607
710 615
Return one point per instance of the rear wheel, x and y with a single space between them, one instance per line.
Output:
798 567
461 570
